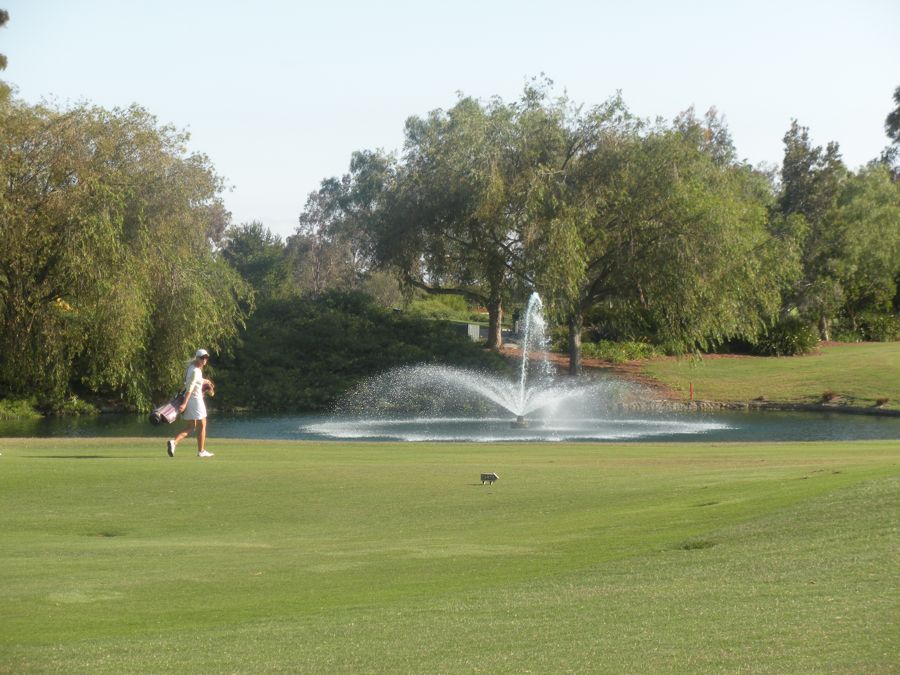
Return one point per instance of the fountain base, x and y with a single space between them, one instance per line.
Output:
521 423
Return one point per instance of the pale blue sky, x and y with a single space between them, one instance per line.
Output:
279 93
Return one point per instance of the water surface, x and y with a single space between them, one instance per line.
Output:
698 426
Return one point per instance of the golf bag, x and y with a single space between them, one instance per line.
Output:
168 412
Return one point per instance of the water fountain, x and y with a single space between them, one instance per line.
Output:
430 402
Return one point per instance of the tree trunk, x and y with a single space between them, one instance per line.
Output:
825 329
495 324
575 323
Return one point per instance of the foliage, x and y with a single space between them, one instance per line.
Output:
671 234
451 215
847 227
73 406
18 408
443 307
619 352
258 256
301 353
4 88
867 263
811 182
332 249
660 225
868 326
790 336
108 276
892 122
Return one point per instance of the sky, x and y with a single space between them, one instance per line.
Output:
280 93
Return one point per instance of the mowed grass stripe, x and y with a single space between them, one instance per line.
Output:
861 374
311 556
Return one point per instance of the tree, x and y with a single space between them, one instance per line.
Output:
866 226
890 156
107 273
667 234
892 122
330 248
448 226
4 88
259 256
811 183
462 212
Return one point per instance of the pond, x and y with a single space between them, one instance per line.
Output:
698 426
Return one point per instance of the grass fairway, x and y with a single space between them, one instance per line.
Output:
859 373
394 558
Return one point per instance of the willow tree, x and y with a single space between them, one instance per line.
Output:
108 276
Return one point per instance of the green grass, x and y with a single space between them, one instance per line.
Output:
333 557
859 373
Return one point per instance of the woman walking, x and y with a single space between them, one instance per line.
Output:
193 409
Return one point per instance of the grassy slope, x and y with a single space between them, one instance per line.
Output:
859 373
387 557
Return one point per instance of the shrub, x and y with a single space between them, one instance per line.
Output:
446 307
789 337
879 327
304 353
619 352
17 408
868 327
75 406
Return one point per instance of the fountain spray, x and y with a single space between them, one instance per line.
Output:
534 338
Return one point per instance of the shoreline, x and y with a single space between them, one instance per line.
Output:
759 406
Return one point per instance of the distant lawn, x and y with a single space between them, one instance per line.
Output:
859 373
331 557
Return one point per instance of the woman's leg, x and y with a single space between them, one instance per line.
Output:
192 424
201 436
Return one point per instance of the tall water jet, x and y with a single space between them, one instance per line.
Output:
534 335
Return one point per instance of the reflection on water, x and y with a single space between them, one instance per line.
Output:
731 426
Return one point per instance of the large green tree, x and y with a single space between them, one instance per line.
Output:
865 229
449 227
108 275
665 234
463 217
812 179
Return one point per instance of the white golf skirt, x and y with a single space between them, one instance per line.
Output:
196 409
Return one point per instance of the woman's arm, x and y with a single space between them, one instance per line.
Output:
189 392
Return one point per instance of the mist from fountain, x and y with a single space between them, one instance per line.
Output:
432 402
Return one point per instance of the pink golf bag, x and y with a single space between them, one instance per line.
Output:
168 412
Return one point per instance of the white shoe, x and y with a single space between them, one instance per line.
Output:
204 453
170 447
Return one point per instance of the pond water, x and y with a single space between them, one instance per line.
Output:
720 426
